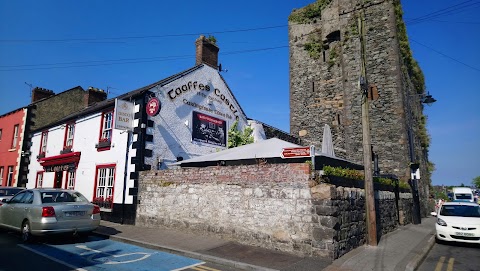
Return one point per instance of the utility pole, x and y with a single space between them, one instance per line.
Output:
367 155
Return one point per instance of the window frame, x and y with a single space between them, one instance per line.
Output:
39 173
43 144
16 129
106 130
104 199
1 175
69 181
10 175
1 132
69 136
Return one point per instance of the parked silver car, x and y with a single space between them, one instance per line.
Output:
43 211
8 192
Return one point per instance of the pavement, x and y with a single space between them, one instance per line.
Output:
403 249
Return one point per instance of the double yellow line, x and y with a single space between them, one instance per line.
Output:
204 268
440 264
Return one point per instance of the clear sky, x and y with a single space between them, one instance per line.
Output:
120 46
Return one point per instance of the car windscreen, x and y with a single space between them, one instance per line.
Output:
9 192
62 196
463 196
460 210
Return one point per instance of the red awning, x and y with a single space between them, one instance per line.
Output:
67 158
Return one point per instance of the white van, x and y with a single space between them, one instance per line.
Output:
463 194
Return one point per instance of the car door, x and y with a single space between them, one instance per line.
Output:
22 209
13 210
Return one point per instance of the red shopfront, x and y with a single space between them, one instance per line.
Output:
64 166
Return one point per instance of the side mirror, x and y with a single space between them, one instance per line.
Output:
4 200
433 213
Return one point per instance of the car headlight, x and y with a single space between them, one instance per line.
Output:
441 222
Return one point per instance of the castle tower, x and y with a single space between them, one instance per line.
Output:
325 76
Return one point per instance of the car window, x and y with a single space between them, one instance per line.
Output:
18 198
460 210
62 196
28 198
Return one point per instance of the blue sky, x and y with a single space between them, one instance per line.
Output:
120 46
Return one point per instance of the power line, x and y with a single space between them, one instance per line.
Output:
449 57
139 37
443 12
121 61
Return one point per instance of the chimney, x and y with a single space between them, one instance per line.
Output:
41 93
95 95
206 52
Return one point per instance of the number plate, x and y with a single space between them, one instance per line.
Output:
74 213
459 233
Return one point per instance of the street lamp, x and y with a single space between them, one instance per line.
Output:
414 165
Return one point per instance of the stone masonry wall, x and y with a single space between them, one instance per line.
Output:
275 206
341 217
325 90
263 205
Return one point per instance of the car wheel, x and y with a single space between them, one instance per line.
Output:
438 241
26 232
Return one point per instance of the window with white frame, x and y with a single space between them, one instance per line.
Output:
15 136
69 133
39 182
10 176
1 175
107 125
71 180
104 186
43 143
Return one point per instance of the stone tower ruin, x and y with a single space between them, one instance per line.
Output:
326 83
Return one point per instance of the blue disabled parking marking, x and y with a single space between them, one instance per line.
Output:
105 255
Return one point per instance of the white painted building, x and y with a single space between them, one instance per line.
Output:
181 117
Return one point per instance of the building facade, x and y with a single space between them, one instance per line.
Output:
341 50
100 150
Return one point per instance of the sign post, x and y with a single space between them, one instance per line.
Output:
296 152
123 120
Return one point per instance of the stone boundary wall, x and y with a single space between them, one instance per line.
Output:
341 217
263 205
275 206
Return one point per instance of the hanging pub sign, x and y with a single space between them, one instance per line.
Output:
123 115
208 129
153 106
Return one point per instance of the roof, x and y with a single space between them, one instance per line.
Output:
459 202
270 148
96 107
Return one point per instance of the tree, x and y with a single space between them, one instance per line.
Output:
237 138
476 182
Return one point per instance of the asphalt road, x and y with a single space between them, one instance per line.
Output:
64 253
452 257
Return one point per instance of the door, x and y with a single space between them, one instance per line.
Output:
9 215
58 179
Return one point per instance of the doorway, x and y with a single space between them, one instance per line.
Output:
58 179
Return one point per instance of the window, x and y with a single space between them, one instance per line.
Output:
39 182
107 125
43 143
15 136
70 180
10 176
105 179
1 176
69 133
0 134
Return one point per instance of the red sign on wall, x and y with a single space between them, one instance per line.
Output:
296 152
153 106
